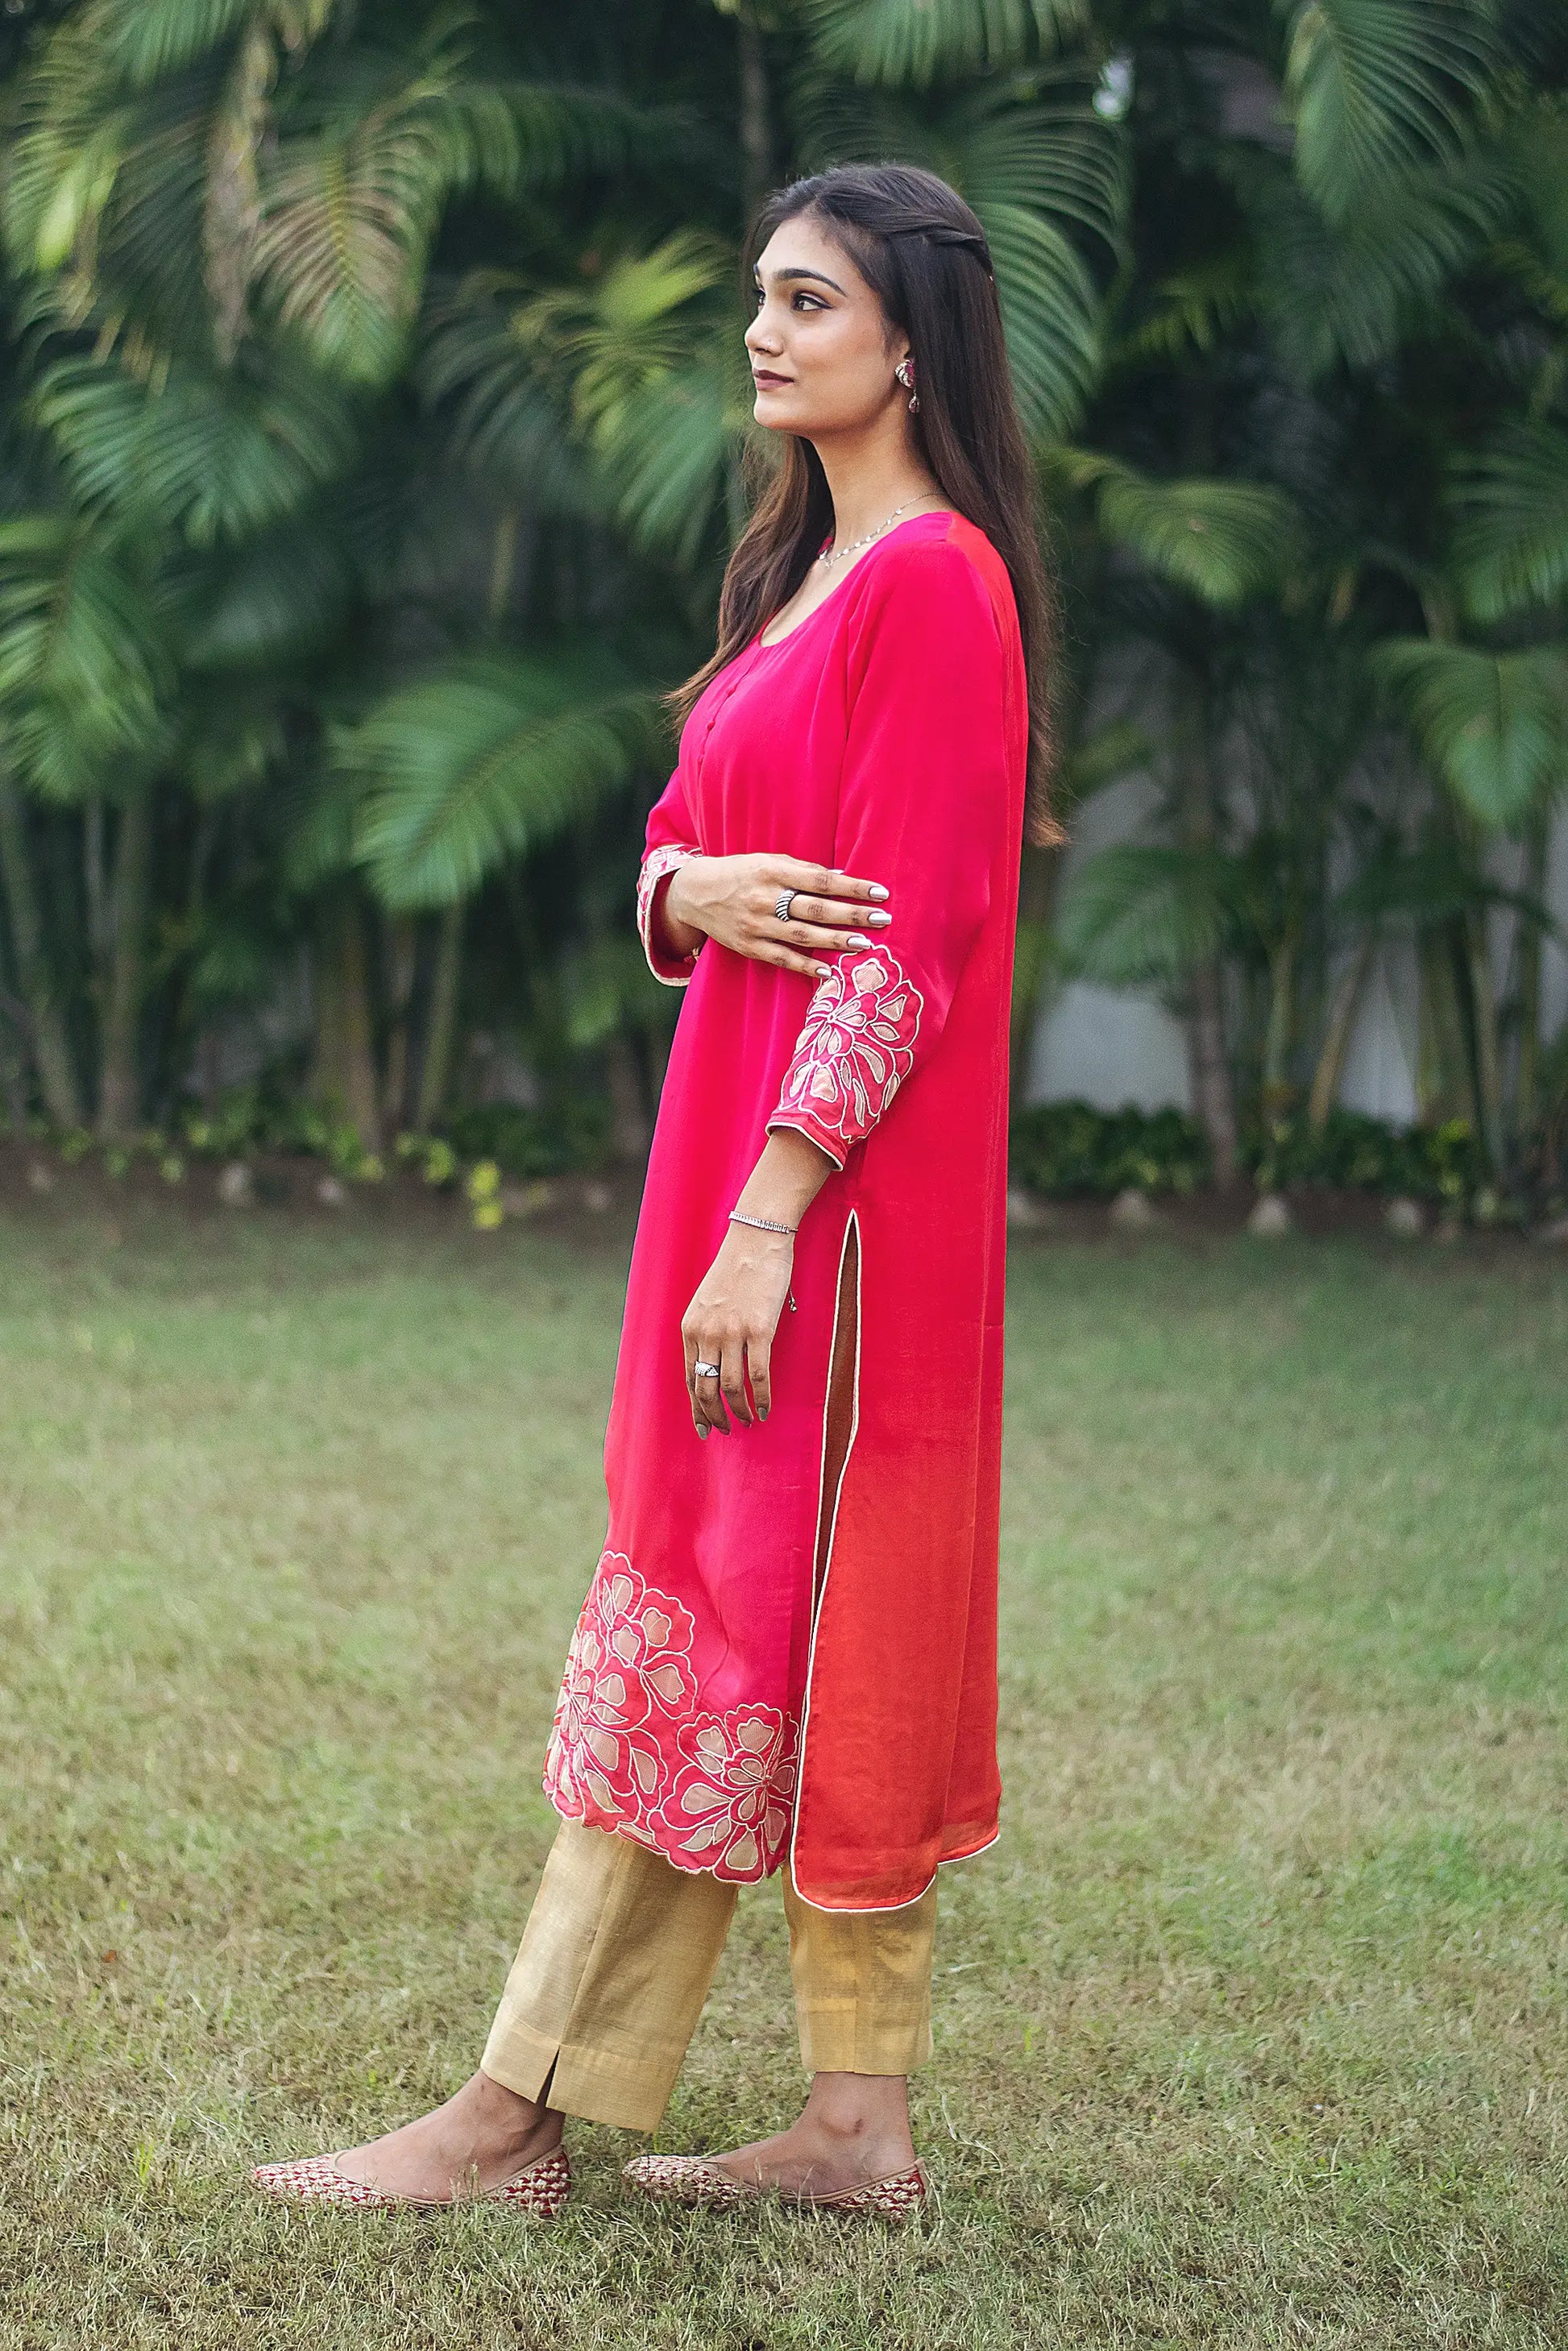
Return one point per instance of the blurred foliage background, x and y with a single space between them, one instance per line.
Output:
375 424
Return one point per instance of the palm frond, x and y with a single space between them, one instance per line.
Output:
1049 180
1494 726
352 198
1050 311
666 459
1140 914
915 41
1192 308
615 351
1346 294
1511 500
1048 153
1222 541
481 761
212 455
85 665
144 41
1119 749
104 186
1377 86
281 596
505 421
232 735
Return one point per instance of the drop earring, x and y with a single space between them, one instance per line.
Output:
904 374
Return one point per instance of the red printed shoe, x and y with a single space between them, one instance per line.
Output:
539 2189
687 2179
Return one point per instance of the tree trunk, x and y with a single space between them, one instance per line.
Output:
1527 1091
756 107
1213 1099
50 1045
1488 1045
119 1078
16 1038
233 211
629 1130
403 951
1282 1028
441 1031
345 1069
1031 955
1341 1027
1446 1084
95 891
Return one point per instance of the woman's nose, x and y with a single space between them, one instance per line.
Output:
760 335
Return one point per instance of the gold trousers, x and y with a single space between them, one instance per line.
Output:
617 1958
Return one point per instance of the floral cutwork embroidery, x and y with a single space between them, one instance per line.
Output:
857 1045
628 1663
656 865
629 1746
729 1809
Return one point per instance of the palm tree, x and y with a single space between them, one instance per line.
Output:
1322 331
379 430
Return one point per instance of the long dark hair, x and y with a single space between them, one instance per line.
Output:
925 255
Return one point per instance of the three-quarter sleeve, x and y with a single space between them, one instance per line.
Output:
924 802
671 840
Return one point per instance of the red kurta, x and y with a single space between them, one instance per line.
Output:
715 1705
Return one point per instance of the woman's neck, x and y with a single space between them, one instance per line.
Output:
866 483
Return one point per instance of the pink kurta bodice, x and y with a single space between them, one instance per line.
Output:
723 1702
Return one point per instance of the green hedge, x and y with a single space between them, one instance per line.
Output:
1064 1150
1070 1150
1358 1154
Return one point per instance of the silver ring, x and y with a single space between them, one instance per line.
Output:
705 1370
782 903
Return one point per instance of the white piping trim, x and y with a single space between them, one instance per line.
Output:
869 1909
885 1910
852 1223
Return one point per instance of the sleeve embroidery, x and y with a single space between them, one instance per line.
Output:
856 1047
674 971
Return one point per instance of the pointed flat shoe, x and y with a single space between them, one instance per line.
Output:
688 2180
539 2189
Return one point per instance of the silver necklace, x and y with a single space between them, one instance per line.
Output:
832 555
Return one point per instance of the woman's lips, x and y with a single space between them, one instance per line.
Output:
765 381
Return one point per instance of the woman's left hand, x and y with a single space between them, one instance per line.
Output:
731 1322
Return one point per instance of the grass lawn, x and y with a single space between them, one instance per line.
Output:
1250 2031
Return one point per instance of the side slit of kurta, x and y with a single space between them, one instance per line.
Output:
840 1403
843 1389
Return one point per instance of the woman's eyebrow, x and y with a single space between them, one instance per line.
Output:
786 276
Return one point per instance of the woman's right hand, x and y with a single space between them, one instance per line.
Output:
731 899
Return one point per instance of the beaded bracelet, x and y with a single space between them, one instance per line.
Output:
763 1224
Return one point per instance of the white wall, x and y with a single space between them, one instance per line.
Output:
1110 1047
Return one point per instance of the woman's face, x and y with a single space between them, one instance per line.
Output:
821 352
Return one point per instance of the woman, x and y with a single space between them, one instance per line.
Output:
787 1658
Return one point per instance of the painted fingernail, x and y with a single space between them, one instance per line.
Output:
822 971
702 1433
857 939
875 890
879 918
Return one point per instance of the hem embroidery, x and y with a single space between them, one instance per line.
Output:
631 1749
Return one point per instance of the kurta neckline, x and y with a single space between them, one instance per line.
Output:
944 515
